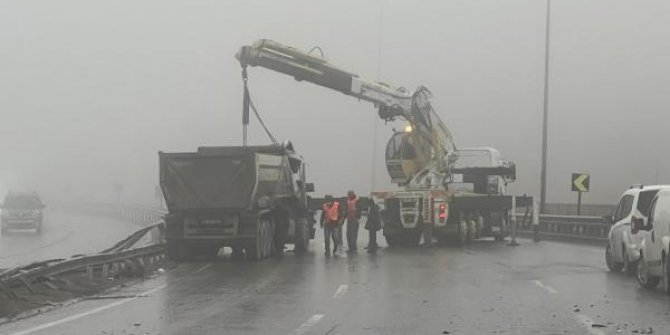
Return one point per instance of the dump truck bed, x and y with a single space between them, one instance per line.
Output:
223 177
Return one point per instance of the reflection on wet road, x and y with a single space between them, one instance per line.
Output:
484 288
63 235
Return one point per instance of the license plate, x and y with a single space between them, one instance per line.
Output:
495 229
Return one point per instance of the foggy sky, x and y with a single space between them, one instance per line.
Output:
90 91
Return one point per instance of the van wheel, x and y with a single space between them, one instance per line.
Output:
609 260
643 277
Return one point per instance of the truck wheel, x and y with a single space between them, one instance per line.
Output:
472 230
643 277
261 246
38 230
609 260
462 233
301 236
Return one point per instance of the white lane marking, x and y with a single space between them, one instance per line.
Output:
546 287
340 291
305 326
587 322
87 313
203 268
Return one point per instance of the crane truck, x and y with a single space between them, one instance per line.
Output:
447 192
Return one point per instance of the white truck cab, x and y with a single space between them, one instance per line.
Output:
654 237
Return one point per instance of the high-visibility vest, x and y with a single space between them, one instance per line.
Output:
331 213
351 208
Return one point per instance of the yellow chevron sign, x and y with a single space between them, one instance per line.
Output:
581 182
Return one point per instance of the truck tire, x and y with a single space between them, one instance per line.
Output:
472 230
462 232
262 246
301 236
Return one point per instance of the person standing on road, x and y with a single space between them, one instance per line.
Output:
331 214
353 215
372 225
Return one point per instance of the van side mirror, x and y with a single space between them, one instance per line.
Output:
609 219
309 187
637 225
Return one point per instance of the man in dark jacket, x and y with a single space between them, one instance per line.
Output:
372 225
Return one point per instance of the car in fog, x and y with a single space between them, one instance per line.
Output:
21 211
654 237
622 251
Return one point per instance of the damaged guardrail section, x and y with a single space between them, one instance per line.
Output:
566 227
136 255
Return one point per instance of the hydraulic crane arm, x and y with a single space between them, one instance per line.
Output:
432 147
307 67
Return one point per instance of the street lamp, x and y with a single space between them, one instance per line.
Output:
543 177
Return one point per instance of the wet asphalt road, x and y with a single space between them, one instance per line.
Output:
63 235
484 288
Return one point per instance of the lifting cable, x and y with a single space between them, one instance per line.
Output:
247 102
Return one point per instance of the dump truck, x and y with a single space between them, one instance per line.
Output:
252 199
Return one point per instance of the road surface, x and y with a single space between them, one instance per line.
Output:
63 235
484 288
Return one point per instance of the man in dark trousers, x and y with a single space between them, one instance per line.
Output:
353 215
372 225
331 216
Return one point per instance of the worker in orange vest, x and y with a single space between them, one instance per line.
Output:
353 215
331 216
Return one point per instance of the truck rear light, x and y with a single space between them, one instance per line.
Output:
442 212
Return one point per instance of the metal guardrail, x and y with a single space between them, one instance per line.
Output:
136 253
589 228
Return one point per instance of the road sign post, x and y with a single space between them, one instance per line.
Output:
581 182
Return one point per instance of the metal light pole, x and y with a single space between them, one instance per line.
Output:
543 177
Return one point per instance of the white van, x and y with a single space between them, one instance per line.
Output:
654 237
622 250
